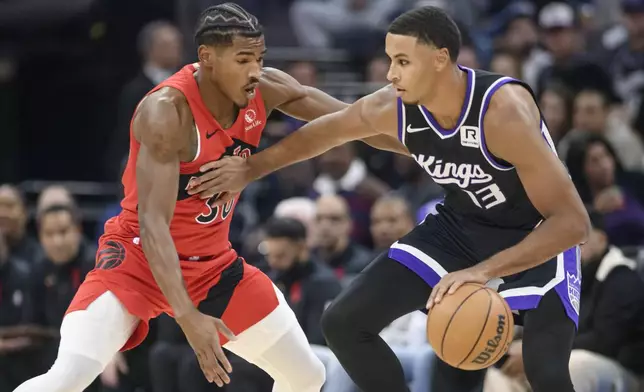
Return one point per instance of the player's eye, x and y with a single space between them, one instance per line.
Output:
243 61
403 62
261 60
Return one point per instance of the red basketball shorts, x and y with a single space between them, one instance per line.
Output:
234 291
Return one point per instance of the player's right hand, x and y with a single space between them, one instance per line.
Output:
202 332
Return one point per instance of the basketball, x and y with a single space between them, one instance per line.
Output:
472 328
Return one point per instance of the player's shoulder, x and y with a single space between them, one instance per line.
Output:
511 102
163 115
166 105
382 99
164 98
379 106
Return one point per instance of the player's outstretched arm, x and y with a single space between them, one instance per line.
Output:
282 92
162 127
372 115
512 132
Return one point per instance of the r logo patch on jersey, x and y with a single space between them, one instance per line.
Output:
470 136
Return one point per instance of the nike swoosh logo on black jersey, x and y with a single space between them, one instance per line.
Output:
412 130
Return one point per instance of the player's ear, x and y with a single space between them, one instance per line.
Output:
441 59
206 56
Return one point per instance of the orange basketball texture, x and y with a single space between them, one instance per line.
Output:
472 328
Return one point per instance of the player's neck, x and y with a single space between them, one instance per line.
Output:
445 100
221 108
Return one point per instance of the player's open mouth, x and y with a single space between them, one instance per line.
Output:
399 91
250 90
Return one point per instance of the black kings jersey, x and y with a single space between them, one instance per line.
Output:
478 186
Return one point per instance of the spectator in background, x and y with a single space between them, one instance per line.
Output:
316 23
19 358
54 195
160 47
506 64
467 57
377 70
520 38
625 62
292 181
602 183
67 258
608 350
556 105
391 219
334 245
564 40
302 209
592 113
308 287
13 223
344 174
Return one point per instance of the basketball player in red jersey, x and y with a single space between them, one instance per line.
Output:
168 251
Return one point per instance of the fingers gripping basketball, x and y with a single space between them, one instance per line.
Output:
472 328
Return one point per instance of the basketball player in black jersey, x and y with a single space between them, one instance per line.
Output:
511 217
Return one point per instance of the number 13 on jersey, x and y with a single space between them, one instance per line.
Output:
487 197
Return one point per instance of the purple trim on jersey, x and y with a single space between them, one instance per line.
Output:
400 106
486 103
523 302
413 263
569 289
466 103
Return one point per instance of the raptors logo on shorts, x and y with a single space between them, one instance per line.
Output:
111 256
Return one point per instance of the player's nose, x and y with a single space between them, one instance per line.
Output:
255 73
391 76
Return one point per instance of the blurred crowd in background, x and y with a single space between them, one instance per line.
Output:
72 72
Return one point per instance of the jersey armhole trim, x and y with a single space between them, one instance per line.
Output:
401 119
196 128
487 97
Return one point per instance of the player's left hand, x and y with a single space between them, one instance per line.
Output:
227 176
452 281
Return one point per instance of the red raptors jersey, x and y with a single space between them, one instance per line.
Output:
198 230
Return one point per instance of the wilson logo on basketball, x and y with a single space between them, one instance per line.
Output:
110 256
492 344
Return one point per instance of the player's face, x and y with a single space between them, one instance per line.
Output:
283 253
12 212
414 66
332 224
389 222
236 68
590 113
59 236
599 166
